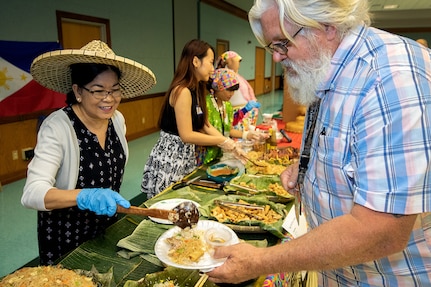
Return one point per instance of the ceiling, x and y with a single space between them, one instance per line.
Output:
410 13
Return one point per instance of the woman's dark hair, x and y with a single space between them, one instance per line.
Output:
185 76
84 73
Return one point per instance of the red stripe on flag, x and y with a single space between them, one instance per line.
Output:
31 98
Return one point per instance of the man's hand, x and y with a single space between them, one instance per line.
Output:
242 264
289 178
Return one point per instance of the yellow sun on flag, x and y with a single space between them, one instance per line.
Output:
4 78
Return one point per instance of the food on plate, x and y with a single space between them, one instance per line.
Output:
168 283
46 276
275 187
237 214
186 246
278 189
224 170
264 167
282 156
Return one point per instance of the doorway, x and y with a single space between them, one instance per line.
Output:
259 71
75 30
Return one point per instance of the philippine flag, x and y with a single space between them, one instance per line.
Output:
19 93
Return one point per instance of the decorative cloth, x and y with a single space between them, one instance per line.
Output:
223 79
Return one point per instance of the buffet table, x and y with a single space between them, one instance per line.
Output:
104 254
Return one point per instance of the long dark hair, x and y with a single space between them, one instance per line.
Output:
84 73
185 76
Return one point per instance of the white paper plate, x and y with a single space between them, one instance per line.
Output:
207 262
168 204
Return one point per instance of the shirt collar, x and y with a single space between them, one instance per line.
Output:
349 48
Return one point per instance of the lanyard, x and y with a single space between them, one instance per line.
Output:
312 113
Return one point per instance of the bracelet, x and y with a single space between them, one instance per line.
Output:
244 135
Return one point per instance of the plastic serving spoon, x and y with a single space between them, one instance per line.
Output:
183 215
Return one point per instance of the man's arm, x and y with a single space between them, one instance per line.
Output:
361 236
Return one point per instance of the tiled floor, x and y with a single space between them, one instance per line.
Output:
18 238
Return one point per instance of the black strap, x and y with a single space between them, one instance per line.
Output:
312 113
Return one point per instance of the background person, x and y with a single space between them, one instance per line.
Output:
75 176
366 187
243 100
184 122
422 42
222 85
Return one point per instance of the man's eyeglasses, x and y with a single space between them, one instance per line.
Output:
102 94
281 47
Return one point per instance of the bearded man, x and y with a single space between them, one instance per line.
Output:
365 174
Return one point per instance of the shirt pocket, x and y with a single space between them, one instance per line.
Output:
334 171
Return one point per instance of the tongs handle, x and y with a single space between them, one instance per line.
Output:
236 209
249 189
237 204
252 161
153 212
286 136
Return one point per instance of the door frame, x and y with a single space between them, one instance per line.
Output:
85 20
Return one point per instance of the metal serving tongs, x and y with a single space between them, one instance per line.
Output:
249 189
234 206
253 161
183 215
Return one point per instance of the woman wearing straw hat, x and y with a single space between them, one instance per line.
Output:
75 176
184 122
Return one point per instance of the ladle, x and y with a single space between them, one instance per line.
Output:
183 215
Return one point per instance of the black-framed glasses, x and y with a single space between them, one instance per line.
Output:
102 94
281 47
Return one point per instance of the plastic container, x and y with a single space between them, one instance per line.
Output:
247 145
218 237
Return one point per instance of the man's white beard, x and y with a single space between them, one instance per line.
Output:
304 77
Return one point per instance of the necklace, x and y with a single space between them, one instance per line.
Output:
222 112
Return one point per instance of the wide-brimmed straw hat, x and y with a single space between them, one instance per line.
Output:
52 71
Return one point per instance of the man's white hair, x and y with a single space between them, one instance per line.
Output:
343 14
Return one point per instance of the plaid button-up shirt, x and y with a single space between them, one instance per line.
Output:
372 146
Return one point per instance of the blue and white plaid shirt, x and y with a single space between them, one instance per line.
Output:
372 146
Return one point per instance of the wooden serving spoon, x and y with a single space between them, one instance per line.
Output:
183 215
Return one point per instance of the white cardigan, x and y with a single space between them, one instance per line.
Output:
56 158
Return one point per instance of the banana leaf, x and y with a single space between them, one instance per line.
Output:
144 237
274 228
260 182
181 277
197 194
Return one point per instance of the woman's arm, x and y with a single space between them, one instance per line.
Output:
209 136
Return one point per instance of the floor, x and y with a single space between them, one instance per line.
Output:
18 238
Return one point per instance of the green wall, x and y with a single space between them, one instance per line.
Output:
142 30
217 24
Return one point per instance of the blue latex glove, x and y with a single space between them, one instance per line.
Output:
251 105
102 201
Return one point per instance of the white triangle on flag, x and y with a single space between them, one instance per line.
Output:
12 79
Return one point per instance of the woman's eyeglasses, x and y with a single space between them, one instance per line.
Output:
103 94
281 47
